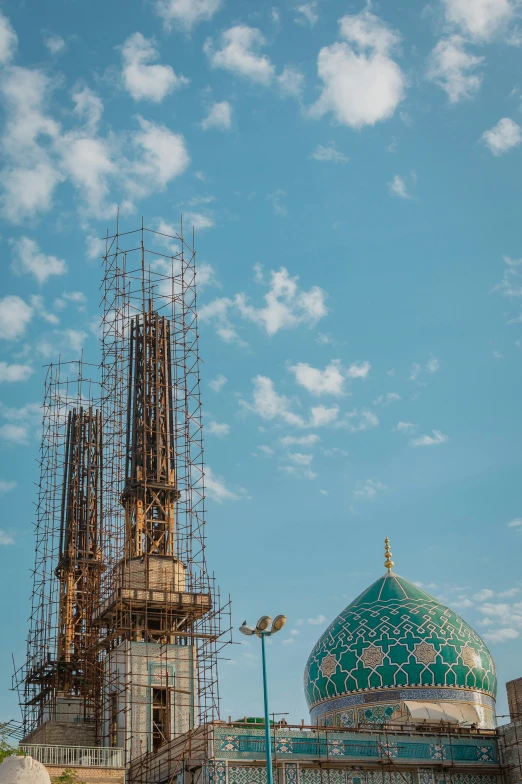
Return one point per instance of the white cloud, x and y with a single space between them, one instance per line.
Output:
385 400
37 303
453 69
462 603
481 20
268 404
38 156
362 84
29 414
317 621
143 77
8 40
76 297
87 106
482 595
320 416
11 373
29 176
219 116
290 82
215 488
94 247
217 429
288 641
501 635
307 440
88 163
300 459
68 342
186 13
199 221
217 313
398 187
510 285
308 13
54 43
504 136
366 490
329 153
431 366
163 156
404 427
277 202
436 438
218 383
15 315
6 486
286 304
358 370
14 434
515 523
356 421
6 538
329 381
301 465
265 450
239 54
28 258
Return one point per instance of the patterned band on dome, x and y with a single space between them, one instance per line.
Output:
394 695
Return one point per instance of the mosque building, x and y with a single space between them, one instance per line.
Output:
401 690
120 681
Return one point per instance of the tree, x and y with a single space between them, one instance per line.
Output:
6 750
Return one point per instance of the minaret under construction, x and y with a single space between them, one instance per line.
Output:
149 617
125 625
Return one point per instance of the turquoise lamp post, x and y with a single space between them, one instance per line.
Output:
261 630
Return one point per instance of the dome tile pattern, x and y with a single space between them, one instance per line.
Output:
396 636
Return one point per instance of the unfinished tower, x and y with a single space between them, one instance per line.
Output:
59 679
159 614
79 555
126 621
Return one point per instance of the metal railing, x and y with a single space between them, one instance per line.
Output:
88 756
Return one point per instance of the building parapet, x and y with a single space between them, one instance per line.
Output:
75 756
232 742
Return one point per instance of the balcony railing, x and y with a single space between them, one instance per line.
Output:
65 756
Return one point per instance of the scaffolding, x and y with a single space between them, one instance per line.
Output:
159 606
57 679
127 623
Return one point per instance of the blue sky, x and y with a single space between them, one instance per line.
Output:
353 175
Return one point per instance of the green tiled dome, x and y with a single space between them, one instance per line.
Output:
397 638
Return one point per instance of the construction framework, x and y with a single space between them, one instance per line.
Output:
127 623
60 647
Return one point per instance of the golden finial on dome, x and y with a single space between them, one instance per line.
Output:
388 555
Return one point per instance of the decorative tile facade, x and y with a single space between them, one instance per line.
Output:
291 773
376 714
429 776
345 718
249 744
394 637
246 774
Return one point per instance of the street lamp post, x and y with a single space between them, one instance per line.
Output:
261 630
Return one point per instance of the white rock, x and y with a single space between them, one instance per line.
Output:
23 770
